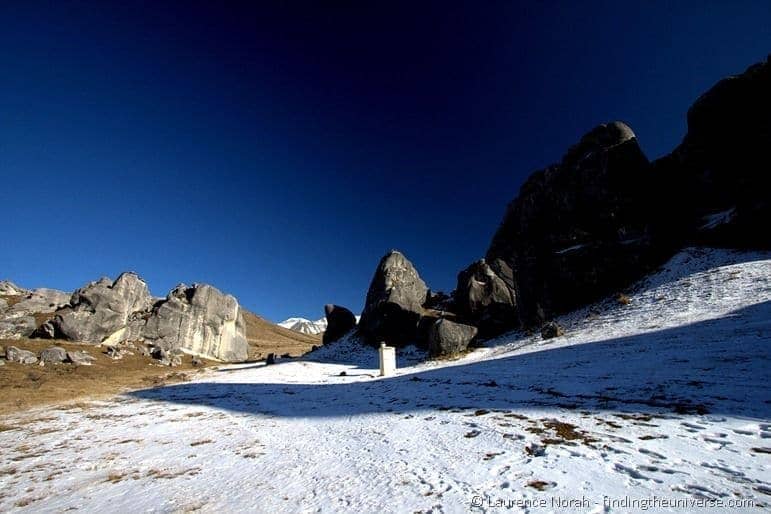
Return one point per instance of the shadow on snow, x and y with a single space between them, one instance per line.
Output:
719 366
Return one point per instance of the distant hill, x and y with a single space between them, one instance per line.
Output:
264 337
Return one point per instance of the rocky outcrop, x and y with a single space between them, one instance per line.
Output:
340 321
580 229
446 338
105 311
717 176
8 288
21 309
200 320
394 303
551 330
485 300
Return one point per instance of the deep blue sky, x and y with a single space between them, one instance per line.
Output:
277 151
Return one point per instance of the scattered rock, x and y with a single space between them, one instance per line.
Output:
196 362
53 355
340 321
14 354
551 330
271 359
343 374
535 450
80 358
447 338
394 303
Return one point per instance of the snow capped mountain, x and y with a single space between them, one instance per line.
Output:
305 326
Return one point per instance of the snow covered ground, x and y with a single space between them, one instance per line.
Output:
666 399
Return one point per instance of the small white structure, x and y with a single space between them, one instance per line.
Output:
387 360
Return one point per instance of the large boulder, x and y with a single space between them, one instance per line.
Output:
485 300
580 229
105 311
716 178
340 321
447 338
394 302
199 320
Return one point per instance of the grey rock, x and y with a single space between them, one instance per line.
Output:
80 358
551 330
53 355
485 300
14 354
8 288
340 321
394 303
447 338
201 320
18 320
195 361
105 311
581 229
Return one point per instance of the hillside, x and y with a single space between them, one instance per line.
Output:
664 395
265 337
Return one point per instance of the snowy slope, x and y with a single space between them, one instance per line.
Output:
305 326
666 398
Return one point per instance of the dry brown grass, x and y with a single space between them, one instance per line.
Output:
11 299
27 386
265 337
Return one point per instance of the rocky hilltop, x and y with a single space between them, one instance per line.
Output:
198 319
595 222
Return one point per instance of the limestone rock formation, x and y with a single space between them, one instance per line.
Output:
579 229
105 311
716 178
340 321
447 338
14 354
53 355
485 300
394 303
21 308
200 320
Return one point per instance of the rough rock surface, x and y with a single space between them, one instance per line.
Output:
447 338
14 354
200 320
18 318
8 288
485 300
339 322
551 330
394 303
53 355
80 358
716 178
105 311
580 229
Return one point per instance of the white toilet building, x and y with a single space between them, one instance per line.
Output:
387 360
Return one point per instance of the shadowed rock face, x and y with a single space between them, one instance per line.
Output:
579 229
447 338
485 300
716 192
394 302
105 310
339 322
200 320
